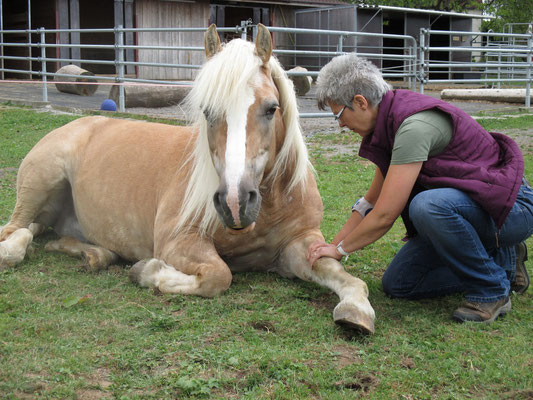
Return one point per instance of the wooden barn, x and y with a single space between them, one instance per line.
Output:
201 13
90 14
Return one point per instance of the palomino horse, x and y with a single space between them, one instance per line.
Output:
190 205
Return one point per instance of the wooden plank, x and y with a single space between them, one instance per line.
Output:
118 21
171 14
75 24
128 23
63 23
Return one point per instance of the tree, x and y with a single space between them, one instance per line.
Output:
505 11
442 5
508 11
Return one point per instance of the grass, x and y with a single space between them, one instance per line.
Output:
67 334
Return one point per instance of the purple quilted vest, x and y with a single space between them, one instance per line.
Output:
487 166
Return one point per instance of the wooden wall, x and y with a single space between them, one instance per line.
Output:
170 14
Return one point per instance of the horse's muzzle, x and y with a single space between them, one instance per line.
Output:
238 209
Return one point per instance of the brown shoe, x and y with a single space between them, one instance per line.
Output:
521 278
482 312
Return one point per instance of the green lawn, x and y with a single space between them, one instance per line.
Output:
67 334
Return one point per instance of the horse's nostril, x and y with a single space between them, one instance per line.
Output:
252 196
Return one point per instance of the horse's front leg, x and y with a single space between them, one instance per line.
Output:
188 265
354 309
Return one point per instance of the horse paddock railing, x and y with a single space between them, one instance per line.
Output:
416 63
509 60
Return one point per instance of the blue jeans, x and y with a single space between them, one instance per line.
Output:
458 248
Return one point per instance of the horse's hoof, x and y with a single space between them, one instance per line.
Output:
92 260
143 269
349 316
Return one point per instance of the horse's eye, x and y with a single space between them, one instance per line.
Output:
271 111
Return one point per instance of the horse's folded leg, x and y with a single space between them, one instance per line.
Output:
155 273
97 258
205 280
13 248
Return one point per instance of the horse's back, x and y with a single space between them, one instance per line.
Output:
116 172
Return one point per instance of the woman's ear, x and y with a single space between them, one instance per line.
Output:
360 101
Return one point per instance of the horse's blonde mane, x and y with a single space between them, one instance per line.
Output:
219 84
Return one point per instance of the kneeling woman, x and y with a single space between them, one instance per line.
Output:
459 189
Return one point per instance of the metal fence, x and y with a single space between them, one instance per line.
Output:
499 58
488 59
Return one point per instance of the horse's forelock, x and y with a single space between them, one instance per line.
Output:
221 81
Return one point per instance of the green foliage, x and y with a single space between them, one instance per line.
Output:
66 334
504 11
508 11
442 5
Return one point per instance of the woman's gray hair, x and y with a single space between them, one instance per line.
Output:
349 75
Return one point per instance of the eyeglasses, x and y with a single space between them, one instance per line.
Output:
339 114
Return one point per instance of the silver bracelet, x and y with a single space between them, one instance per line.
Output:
362 206
341 250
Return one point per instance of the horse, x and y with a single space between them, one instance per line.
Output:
189 205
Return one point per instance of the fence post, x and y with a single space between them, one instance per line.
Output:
254 33
244 29
2 76
422 71
498 85
119 62
529 66
43 63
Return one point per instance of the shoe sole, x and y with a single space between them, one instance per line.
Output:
500 313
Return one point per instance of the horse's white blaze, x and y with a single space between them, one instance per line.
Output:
236 119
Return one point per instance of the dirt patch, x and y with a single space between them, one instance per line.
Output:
362 383
345 356
323 302
407 363
266 326
311 126
99 382
523 137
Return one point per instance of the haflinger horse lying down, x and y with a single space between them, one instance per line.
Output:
190 205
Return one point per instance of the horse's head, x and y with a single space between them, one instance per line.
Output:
241 133
249 135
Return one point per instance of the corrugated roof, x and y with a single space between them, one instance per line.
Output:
299 3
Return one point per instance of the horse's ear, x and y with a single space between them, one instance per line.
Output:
211 41
263 43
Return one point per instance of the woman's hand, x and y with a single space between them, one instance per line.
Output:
319 249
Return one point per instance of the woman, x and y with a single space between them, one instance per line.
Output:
459 189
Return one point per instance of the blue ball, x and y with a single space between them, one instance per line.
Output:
108 105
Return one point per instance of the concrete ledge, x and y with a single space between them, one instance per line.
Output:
496 95
27 103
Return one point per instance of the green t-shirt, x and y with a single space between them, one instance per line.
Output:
422 135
